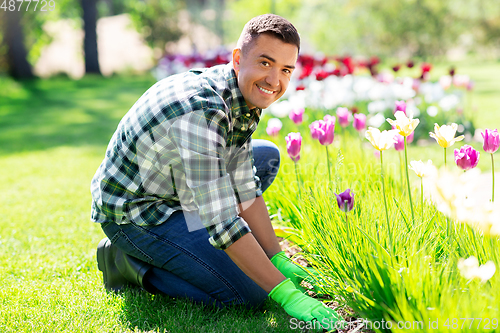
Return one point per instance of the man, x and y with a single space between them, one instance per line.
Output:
179 193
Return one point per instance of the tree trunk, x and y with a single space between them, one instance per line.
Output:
89 8
18 65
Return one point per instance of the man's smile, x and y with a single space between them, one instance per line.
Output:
269 92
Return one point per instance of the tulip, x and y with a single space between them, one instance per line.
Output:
469 268
421 169
491 140
400 106
490 145
466 158
345 200
293 143
400 142
445 136
343 115
405 125
326 132
380 140
359 122
273 126
315 128
297 115
409 138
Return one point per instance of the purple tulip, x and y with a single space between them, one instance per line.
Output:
467 157
296 116
400 142
359 122
491 140
293 143
315 128
343 115
343 197
400 106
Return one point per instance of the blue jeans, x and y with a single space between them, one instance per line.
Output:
185 264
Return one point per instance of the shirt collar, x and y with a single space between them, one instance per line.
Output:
238 105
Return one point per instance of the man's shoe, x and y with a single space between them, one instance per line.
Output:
112 278
119 269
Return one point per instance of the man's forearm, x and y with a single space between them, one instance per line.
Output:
249 256
257 217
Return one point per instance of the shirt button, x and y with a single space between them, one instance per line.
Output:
248 114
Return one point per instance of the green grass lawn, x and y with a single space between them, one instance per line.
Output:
53 135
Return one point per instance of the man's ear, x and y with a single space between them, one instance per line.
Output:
236 60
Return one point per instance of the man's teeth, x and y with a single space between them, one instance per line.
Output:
265 90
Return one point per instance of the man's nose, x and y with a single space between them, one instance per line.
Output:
273 78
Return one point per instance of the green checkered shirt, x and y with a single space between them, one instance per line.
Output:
184 145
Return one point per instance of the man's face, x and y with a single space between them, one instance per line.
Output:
265 69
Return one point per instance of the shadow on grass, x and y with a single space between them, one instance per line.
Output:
157 313
41 114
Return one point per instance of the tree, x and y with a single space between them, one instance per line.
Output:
16 57
89 16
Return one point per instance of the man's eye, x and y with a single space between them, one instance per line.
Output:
287 71
265 63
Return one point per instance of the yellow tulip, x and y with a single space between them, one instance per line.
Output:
445 135
405 125
421 169
381 140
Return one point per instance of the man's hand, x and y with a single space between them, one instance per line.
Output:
293 271
303 307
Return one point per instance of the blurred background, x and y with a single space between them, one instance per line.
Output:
74 37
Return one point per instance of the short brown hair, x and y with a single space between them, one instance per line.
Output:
268 24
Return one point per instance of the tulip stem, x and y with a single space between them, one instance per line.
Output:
493 179
328 165
297 175
445 157
408 182
401 172
385 202
422 197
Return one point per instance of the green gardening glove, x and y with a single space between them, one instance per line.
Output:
306 308
294 272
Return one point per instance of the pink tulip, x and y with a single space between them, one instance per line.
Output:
491 140
343 115
296 115
409 138
329 118
293 143
467 157
359 122
400 142
400 106
315 128
326 133
273 126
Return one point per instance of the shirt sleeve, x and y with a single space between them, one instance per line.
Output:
201 139
241 168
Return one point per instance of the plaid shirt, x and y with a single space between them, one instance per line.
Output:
184 145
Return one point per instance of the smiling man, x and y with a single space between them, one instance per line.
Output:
179 193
